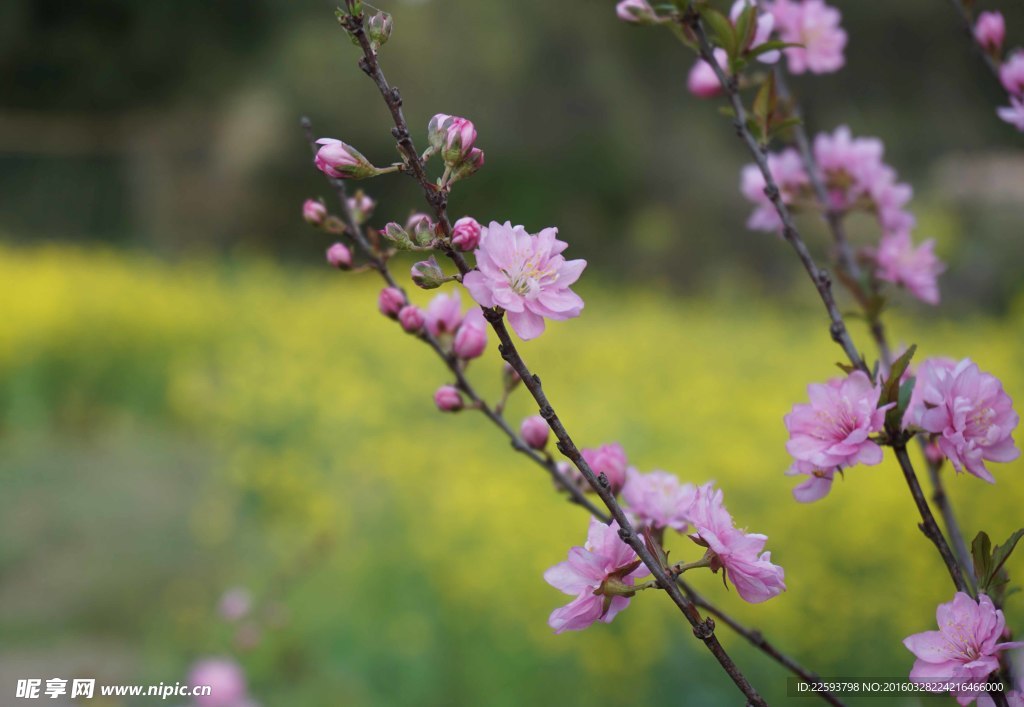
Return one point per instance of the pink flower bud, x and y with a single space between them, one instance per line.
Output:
314 212
534 431
466 233
235 604
1011 73
397 235
411 318
990 30
448 399
361 206
638 11
437 130
470 165
378 29
703 82
225 678
341 161
339 256
458 141
427 274
471 337
390 302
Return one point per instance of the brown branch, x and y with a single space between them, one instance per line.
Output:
379 264
821 279
941 501
703 628
757 639
929 527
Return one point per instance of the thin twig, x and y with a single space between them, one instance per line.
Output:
929 527
941 501
703 628
352 226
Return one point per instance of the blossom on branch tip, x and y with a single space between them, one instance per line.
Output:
448 399
990 30
658 499
604 563
314 212
339 256
341 161
411 318
916 269
390 301
1011 74
471 337
965 648
833 430
466 233
526 276
610 460
816 27
737 553
787 169
968 411
534 430
460 134
639 11
702 80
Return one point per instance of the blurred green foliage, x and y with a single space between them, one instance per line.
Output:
169 431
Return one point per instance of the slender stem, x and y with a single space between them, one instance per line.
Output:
494 414
703 628
756 638
968 26
929 527
821 279
941 501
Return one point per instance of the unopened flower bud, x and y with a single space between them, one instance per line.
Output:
427 274
411 318
448 399
361 206
638 11
378 29
314 212
473 162
398 236
341 161
339 256
422 231
390 301
509 377
461 134
534 432
437 130
471 337
466 233
990 30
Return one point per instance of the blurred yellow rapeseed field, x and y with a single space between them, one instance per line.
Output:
314 418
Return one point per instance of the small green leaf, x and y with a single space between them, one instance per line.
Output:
1002 553
746 25
981 552
721 27
891 389
771 46
846 368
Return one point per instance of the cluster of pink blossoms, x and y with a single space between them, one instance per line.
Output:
966 647
812 24
658 501
966 412
857 178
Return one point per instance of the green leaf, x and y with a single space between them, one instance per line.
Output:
846 368
721 27
746 26
981 552
785 124
771 46
1002 553
891 389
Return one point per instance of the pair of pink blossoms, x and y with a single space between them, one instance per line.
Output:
812 24
966 410
658 500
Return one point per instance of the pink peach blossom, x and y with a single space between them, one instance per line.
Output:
339 256
968 410
314 212
658 499
787 169
1011 73
534 431
444 314
448 399
763 31
702 80
916 269
341 161
225 679
610 460
526 276
471 336
737 553
1013 113
815 26
411 318
833 430
965 648
390 301
635 11
466 233
586 571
